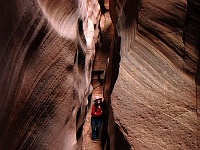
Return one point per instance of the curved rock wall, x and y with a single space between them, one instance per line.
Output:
46 57
124 16
153 102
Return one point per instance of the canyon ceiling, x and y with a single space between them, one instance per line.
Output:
147 51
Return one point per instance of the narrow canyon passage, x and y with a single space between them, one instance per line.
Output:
142 56
98 79
88 143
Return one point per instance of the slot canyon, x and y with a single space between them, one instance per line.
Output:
142 56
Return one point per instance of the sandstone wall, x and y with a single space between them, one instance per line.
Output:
153 102
46 57
47 49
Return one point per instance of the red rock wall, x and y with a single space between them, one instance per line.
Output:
46 56
124 15
153 97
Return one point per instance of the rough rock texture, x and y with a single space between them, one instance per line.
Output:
46 55
47 49
154 101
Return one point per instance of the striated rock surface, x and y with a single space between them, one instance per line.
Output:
52 51
47 51
154 101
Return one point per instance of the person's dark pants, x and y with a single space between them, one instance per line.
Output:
96 126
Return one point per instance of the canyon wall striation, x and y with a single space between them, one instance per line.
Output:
46 59
154 99
49 49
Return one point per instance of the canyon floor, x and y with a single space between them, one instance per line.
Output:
88 144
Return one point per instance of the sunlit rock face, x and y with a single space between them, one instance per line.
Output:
46 57
153 103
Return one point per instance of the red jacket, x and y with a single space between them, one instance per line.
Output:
98 112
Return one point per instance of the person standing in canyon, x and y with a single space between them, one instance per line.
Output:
96 119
